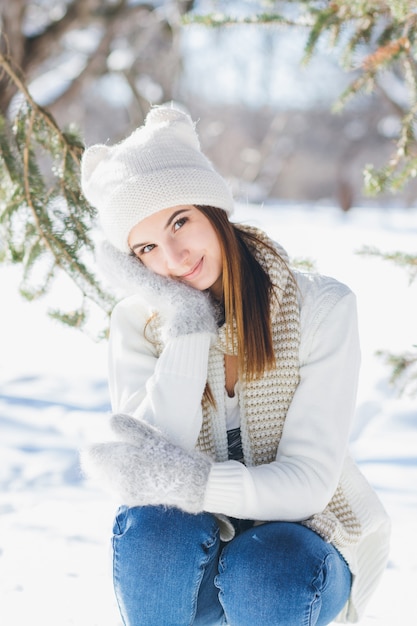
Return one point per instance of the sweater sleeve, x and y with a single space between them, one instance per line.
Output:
165 390
314 441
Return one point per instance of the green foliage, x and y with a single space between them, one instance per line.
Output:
304 264
403 370
371 37
402 259
403 366
45 222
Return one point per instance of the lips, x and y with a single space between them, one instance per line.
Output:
193 272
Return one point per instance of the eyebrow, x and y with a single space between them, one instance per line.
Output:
168 223
174 215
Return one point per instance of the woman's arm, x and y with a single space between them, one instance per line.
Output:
313 446
164 391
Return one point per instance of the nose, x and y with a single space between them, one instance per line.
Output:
175 256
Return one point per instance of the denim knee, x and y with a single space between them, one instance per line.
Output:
161 557
160 525
281 574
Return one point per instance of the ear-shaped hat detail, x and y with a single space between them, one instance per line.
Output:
160 165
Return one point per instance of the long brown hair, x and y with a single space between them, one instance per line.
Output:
247 293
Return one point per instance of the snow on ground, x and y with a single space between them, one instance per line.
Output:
55 565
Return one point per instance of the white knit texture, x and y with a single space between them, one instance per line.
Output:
160 165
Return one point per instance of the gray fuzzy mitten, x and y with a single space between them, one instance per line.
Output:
184 310
144 468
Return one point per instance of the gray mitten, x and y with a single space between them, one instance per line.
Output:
184 310
146 469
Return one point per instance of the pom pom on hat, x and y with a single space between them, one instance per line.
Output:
160 165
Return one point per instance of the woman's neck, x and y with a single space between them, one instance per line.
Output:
231 370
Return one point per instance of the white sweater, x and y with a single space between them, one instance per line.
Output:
166 391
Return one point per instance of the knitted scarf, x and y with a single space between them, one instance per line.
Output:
264 401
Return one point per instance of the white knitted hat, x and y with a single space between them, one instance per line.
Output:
159 166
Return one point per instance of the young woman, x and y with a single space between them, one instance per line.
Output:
233 383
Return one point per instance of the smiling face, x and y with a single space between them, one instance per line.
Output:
181 243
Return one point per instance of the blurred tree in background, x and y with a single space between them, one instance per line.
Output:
373 38
100 64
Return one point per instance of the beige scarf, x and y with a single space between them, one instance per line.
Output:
263 402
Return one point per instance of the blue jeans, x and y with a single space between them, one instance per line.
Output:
172 569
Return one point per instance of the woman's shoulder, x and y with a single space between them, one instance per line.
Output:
319 296
319 289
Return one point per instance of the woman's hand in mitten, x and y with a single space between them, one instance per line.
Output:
146 469
184 310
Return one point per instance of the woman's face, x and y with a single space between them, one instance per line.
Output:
180 242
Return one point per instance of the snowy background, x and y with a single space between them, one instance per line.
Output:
55 528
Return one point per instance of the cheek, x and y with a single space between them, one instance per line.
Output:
154 263
217 253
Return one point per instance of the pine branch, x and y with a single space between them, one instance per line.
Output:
324 19
402 259
393 48
44 217
14 74
403 370
217 20
403 366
